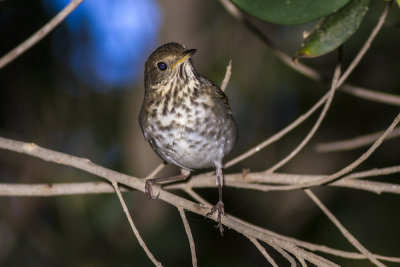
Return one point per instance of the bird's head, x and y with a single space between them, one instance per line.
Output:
168 63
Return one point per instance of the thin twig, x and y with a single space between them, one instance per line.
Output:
376 96
342 229
314 129
156 170
189 235
303 262
133 227
349 167
285 255
371 186
55 189
263 251
356 142
228 74
374 172
39 35
197 197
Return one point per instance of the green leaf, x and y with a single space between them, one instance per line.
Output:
398 2
290 11
334 30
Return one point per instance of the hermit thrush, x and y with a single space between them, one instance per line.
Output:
185 117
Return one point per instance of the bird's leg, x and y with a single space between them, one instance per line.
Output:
219 207
164 180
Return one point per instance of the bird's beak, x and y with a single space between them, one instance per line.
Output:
186 55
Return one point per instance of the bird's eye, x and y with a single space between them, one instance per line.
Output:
162 66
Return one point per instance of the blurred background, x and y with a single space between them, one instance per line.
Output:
79 91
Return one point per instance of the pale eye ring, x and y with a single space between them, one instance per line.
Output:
162 66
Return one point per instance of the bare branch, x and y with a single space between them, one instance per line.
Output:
342 229
354 143
263 251
134 229
156 170
303 262
371 95
189 235
197 197
375 187
252 180
285 255
228 74
374 172
58 189
72 161
40 34
314 129
349 167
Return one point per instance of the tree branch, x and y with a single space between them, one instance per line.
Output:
133 227
263 251
189 235
342 229
349 167
285 255
371 95
355 142
39 35
228 74
156 170
252 180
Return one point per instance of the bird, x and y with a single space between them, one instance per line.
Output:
186 118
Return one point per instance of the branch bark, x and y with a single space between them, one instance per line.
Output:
355 142
252 180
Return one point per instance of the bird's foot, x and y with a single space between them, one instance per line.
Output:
148 189
219 208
